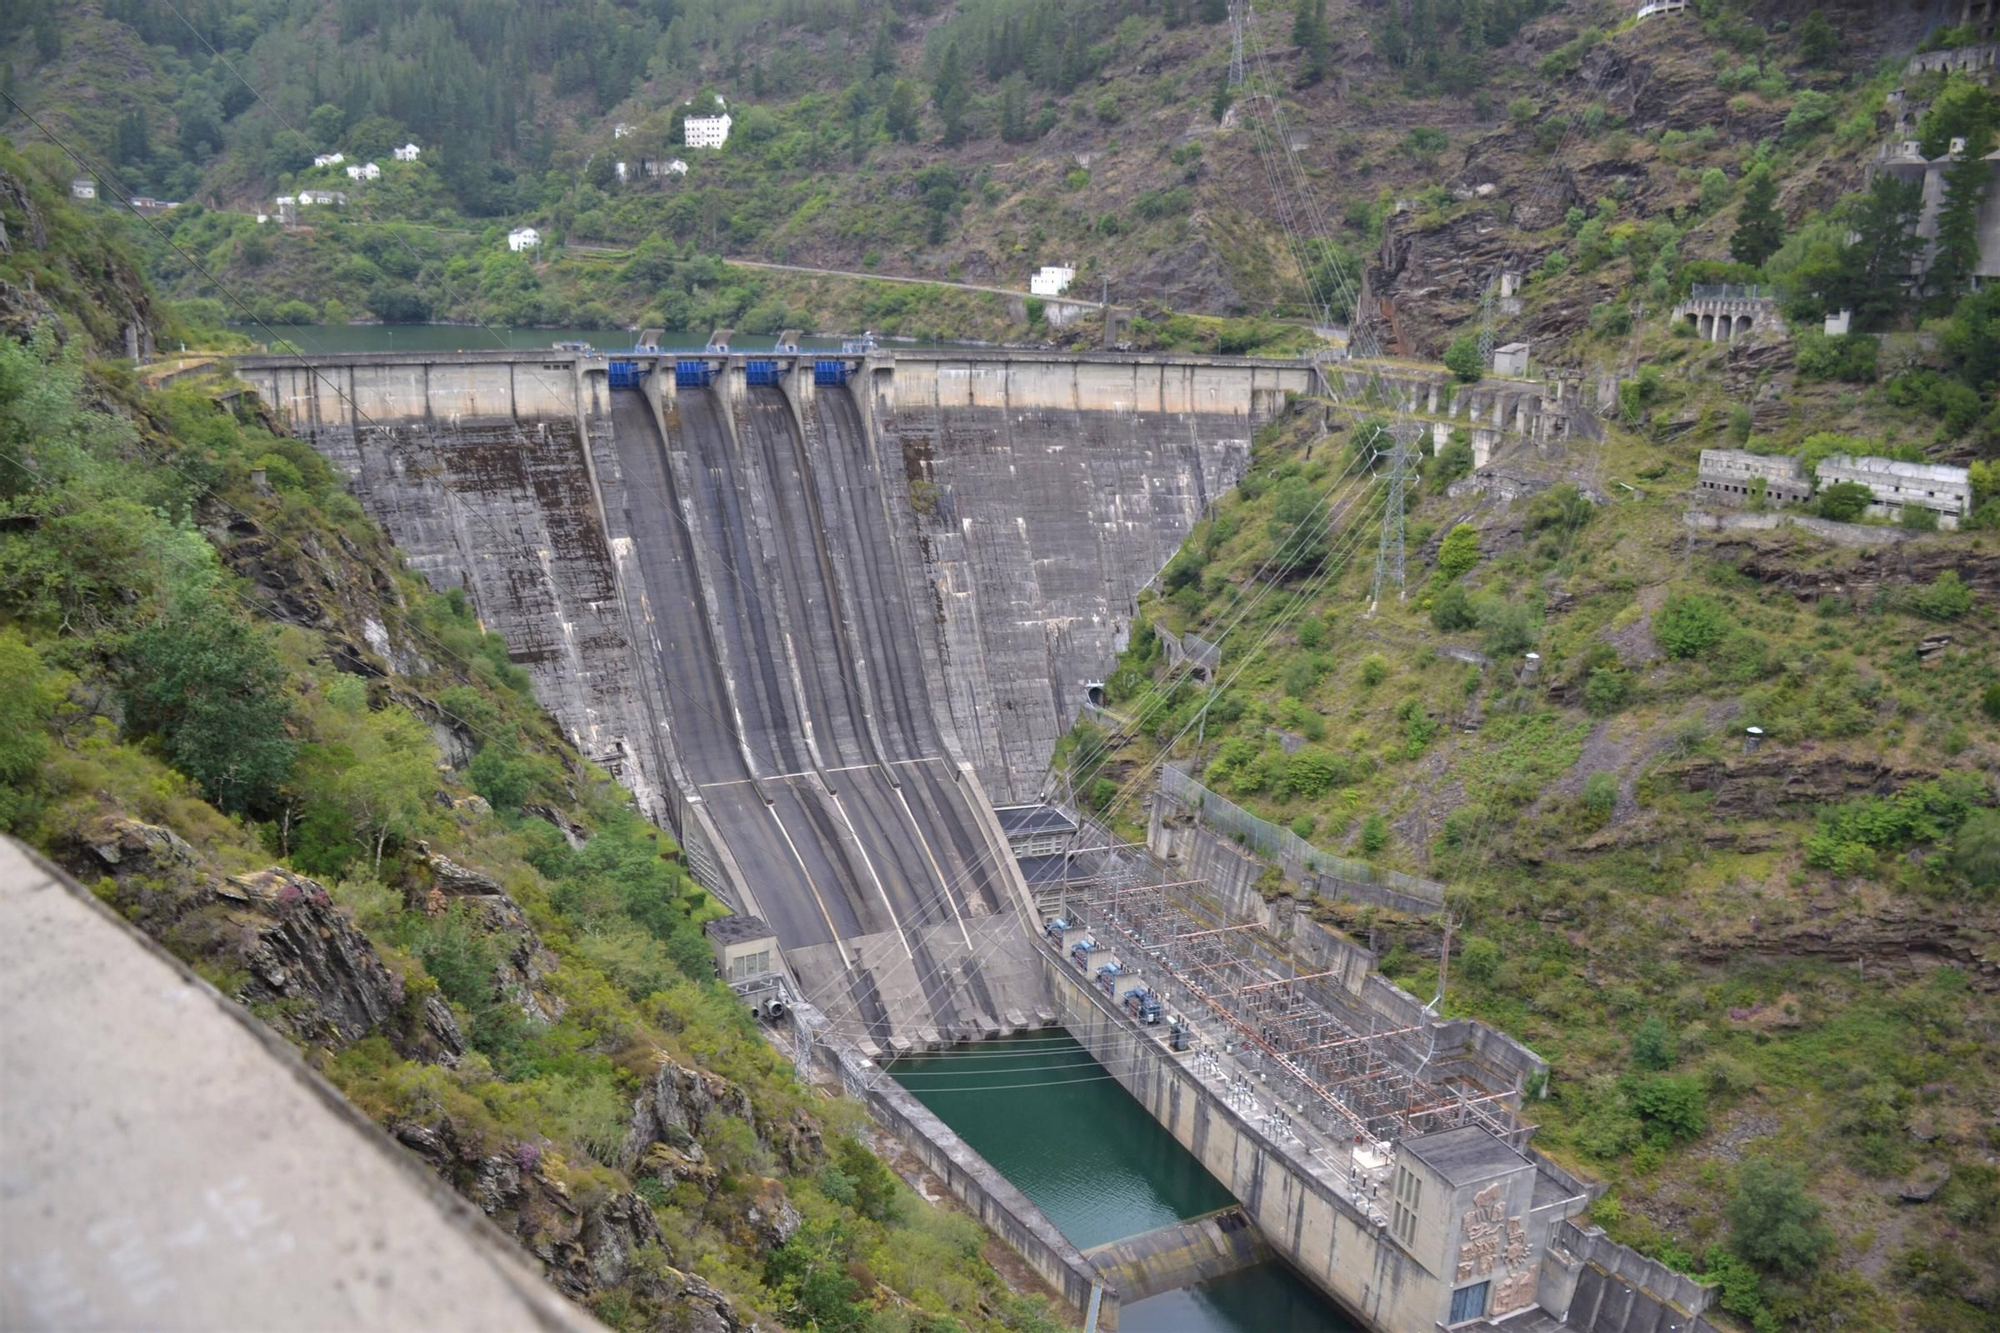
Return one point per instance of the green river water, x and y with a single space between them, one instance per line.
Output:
1049 1118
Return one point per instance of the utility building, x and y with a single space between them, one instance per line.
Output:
706 131
1945 491
523 238
1052 280
1731 477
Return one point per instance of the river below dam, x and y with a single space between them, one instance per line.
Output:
1055 1123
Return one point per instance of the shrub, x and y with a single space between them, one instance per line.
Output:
1844 501
1989 701
1301 673
1459 551
1452 610
1554 263
1606 690
1690 624
1479 959
1374 670
1677 1105
1653 1045
1600 795
1773 1223
1562 507
1303 826
1975 852
1313 772
1374 834
1463 360
1947 598
1916 518
1847 356
1510 627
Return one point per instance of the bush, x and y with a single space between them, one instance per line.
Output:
1989 701
1374 835
1463 360
1511 628
1773 1223
1606 690
1844 501
1303 826
1600 795
1654 1046
1677 1105
1452 610
1690 624
1374 670
1562 507
1479 959
1947 598
1458 552
1848 356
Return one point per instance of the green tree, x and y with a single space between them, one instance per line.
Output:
1297 527
1424 143
1458 552
209 687
1844 501
1947 598
1463 360
1879 264
1715 190
882 52
1013 116
378 769
899 113
1214 11
1760 227
950 94
1314 40
1773 1222
1451 609
1676 1105
1219 102
30 692
1965 184
1975 851
1819 44
1600 796
1689 624
325 123
1374 835
1653 1044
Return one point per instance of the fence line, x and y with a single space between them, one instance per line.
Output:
1297 857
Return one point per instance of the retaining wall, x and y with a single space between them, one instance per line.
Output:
1182 1255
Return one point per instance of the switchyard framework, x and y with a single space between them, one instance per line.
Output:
1365 1086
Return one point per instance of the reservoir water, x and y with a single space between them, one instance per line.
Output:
473 338
1050 1119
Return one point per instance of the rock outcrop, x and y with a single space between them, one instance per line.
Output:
293 955
526 961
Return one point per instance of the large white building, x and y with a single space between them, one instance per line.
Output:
409 152
706 131
329 159
1052 280
523 238
1944 490
370 172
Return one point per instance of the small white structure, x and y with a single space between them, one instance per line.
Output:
369 172
1052 280
706 131
409 152
1944 490
674 167
262 218
288 210
83 187
523 238
623 170
1511 361
1838 322
620 130
329 159
324 198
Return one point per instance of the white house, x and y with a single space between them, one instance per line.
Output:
620 130
523 238
370 172
707 131
409 152
623 170
1051 280
323 197
675 167
83 187
329 159
262 218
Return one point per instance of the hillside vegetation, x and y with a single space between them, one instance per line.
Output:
226 705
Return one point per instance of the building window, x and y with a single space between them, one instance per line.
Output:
1408 1193
1468 1303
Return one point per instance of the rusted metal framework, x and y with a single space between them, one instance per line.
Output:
1309 1057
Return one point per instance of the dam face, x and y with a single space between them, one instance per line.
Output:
818 627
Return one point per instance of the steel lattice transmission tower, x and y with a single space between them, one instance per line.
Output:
1486 304
1236 9
1389 559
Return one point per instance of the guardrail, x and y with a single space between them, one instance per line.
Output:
1294 854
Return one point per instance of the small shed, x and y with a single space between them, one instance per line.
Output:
1511 361
745 947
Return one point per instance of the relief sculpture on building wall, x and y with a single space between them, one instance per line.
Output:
1493 1239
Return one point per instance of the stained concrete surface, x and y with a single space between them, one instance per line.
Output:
166 1163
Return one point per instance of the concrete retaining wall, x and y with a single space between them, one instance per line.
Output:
1171 1257
1840 534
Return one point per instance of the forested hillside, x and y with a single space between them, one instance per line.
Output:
226 706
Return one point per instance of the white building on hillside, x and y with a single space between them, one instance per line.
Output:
325 198
83 187
370 172
1052 280
620 130
523 238
329 159
1944 490
409 152
707 131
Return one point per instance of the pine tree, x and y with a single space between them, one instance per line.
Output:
882 55
950 95
1218 105
899 116
1214 11
1760 228
1819 44
1879 262
1013 123
1311 36
1965 182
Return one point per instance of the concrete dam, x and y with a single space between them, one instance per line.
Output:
819 620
